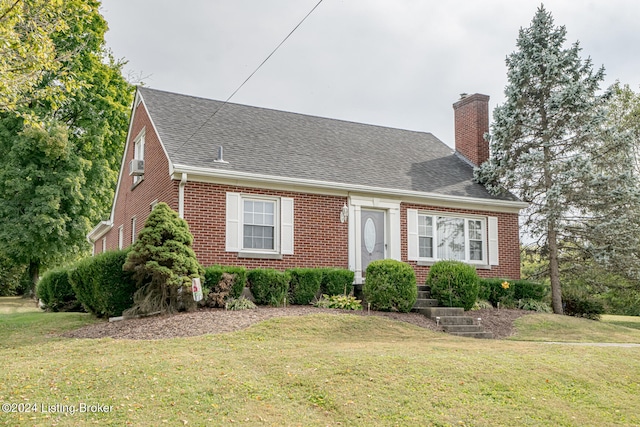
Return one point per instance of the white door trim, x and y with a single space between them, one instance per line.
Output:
392 229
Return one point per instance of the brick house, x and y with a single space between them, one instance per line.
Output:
266 188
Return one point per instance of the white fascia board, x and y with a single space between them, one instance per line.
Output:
99 230
337 188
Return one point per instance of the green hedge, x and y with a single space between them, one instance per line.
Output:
390 285
213 274
581 304
304 284
56 292
508 296
101 286
337 281
453 284
493 291
268 286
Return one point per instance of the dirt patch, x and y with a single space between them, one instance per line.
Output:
213 321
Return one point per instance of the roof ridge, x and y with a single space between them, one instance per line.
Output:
296 113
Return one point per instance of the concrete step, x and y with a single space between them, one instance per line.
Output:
433 312
462 328
423 303
456 320
424 288
485 335
423 295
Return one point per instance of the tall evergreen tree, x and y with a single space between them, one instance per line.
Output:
609 234
543 134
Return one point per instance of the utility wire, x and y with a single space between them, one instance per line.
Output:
250 75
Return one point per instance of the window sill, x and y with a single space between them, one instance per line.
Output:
135 184
259 255
430 263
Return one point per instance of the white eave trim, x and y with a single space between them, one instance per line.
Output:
99 230
206 174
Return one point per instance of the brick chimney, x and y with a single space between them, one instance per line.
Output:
471 116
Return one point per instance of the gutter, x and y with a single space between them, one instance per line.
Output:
98 231
342 187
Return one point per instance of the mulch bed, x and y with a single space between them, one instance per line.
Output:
214 321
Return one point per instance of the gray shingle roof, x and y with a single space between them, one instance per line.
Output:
282 144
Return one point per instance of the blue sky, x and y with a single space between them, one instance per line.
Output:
396 63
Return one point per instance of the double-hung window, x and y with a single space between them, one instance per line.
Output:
440 236
258 225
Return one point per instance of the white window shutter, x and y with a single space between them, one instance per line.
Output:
233 222
493 240
412 234
286 226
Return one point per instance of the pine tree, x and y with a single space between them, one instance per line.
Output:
163 264
610 233
543 134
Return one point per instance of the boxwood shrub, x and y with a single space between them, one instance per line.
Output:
390 285
100 284
268 286
56 292
304 284
453 284
213 274
337 281
495 292
526 289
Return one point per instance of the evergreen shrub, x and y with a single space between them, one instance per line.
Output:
454 284
163 264
581 304
268 286
213 275
526 289
101 285
304 284
390 285
56 292
337 281
494 291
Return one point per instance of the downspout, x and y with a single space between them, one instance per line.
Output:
183 182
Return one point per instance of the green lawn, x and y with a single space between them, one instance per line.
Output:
549 327
315 370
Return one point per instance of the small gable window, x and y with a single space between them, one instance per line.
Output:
138 153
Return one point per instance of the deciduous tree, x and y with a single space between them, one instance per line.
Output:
42 209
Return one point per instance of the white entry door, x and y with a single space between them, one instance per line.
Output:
372 245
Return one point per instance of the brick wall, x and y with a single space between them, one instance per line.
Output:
156 184
508 242
471 118
320 239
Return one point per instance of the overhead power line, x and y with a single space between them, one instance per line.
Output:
251 75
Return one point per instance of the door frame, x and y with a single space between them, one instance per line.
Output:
391 207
